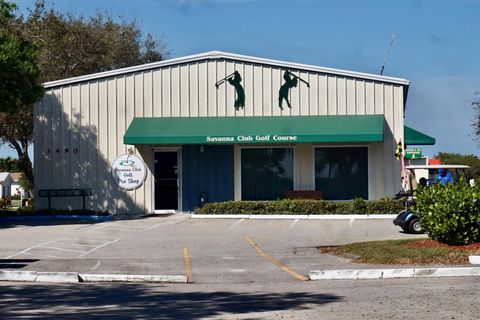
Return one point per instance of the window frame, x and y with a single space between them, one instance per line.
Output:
360 145
264 147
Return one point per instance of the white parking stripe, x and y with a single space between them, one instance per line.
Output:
152 227
98 240
293 224
35 246
236 223
96 248
44 255
96 266
61 249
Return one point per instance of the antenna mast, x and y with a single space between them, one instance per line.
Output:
386 55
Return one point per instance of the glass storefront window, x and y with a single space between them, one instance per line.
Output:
266 173
342 173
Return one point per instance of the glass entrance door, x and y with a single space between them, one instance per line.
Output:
166 180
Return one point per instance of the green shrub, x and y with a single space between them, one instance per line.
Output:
358 206
385 205
303 207
450 213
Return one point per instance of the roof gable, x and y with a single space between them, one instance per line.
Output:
219 55
16 176
3 176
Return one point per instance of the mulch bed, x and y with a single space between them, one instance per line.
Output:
428 243
455 255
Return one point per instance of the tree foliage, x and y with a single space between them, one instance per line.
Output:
16 129
476 119
466 159
70 46
73 45
19 83
8 165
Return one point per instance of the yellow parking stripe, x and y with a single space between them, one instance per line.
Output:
261 253
187 265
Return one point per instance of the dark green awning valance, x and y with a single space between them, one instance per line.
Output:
414 137
238 130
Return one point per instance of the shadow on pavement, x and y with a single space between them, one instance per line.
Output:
139 301
15 263
37 223
33 221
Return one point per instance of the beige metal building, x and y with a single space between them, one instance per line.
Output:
219 126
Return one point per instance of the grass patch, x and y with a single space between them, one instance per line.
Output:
422 251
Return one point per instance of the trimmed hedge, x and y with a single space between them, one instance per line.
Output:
290 207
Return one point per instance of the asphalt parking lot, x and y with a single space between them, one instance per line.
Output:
206 251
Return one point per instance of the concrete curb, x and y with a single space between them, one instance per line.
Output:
130 278
58 277
8 275
474 259
73 277
277 217
295 217
363 274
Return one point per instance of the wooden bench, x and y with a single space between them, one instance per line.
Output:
63 193
303 194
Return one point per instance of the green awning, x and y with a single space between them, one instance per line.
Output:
415 137
237 130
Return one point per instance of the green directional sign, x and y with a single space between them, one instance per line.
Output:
413 153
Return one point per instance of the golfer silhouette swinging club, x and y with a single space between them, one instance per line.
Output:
234 79
285 88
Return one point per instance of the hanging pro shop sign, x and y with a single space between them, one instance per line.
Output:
128 171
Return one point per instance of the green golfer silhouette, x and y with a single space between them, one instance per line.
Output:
235 82
285 88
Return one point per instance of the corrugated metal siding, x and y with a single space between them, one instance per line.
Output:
93 116
210 171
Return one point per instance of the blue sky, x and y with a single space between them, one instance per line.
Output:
435 47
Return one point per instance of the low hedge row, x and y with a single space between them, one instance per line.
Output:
287 206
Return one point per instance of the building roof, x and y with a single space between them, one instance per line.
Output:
3 176
214 55
16 176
